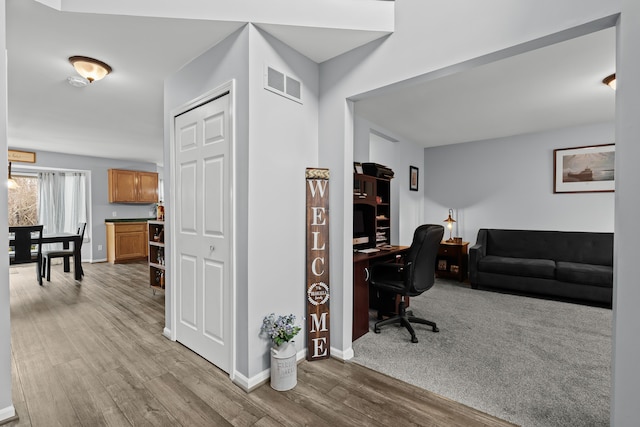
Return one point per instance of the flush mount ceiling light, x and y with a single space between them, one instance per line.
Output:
89 68
610 81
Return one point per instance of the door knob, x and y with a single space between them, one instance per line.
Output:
211 248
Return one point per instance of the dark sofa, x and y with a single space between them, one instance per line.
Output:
567 265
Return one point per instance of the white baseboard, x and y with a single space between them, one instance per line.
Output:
167 333
250 384
7 414
97 260
348 354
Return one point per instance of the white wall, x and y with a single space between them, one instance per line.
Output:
283 141
508 183
626 292
272 151
373 143
224 62
6 406
432 39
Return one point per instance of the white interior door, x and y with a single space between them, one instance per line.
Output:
202 231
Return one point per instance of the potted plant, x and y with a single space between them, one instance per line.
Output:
281 330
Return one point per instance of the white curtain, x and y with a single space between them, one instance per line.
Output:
62 201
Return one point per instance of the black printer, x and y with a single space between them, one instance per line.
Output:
377 170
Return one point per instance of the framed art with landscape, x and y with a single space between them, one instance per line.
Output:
584 169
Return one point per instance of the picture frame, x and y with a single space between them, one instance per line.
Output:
442 264
588 169
21 156
357 168
413 178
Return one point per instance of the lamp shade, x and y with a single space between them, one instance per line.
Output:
89 68
610 81
450 222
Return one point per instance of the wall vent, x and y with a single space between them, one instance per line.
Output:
282 84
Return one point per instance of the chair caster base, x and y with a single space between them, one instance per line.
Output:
414 339
436 329
376 330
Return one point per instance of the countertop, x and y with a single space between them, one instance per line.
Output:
129 219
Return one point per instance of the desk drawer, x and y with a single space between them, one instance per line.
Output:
449 250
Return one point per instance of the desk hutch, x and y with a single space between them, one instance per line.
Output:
371 230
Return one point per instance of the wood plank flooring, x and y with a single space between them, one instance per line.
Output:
92 353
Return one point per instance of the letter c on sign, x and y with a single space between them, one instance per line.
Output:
314 266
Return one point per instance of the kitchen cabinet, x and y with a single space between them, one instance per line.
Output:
128 186
126 241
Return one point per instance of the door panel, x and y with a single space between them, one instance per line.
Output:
187 314
203 245
213 297
214 179
188 202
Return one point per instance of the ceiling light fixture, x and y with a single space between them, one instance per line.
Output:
610 81
89 68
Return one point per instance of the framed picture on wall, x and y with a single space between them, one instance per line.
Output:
584 169
413 178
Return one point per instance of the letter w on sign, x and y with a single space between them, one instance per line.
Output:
317 286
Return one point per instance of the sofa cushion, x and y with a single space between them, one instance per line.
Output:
541 268
587 274
570 246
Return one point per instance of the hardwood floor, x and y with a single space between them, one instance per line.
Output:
92 353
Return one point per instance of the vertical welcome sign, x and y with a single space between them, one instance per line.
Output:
317 286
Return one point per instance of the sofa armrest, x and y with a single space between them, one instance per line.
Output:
476 253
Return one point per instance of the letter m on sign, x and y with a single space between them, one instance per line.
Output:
317 283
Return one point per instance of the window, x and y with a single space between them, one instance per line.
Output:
62 201
23 201
58 200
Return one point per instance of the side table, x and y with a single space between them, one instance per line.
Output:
452 261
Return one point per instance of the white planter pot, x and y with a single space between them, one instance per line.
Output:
283 367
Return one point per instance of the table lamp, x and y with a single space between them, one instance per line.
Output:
450 222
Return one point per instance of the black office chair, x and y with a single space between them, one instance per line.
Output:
25 238
67 254
411 278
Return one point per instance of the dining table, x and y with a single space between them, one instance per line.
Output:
65 239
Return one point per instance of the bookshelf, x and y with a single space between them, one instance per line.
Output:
371 211
156 255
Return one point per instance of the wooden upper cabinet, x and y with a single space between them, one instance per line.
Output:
148 187
127 186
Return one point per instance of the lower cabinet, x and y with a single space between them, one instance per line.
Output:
126 241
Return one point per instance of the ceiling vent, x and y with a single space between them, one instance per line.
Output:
282 84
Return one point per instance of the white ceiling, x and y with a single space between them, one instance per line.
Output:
548 88
121 116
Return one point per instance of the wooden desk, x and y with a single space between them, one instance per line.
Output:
361 263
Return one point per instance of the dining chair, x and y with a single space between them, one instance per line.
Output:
47 256
27 247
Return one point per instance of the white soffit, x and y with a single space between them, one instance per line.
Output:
321 44
320 30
